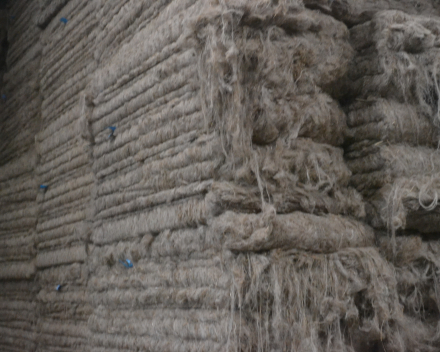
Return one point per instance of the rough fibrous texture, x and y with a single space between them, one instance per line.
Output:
220 175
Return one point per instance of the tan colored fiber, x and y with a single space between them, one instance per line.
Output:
62 256
291 231
17 271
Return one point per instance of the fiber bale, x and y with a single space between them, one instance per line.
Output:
119 22
22 33
64 146
63 256
386 120
16 246
189 325
163 42
407 204
381 164
424 7
17 314
67 52
251 45
182 214
48 10
359 11
16 271
296 174
297 230
406 48
417 269
229 196
354 303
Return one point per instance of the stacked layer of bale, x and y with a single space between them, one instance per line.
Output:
393 152
18 192
64 148
305 272
19 99
359 11
155 282
19 120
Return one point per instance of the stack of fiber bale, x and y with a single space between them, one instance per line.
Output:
19 96
393 150
64 174
18 194
155 283
305 272
19 119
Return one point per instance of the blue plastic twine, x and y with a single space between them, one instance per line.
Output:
112 129
58 288
63 19
44 187
127 263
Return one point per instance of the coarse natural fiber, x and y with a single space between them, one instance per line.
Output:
325 302
245 44
61 256
17 271
407 203
380 164
319 234
389 121
407 51
178 215
417 268
48 10
229 196
74 274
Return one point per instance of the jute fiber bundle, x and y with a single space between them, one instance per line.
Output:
408 203
158 297
424 7
73 273
194 324
113 343
359 11
118 23
417 268
298 174
227 195
152 178
379 119
301 301
17 314
186 244
380 164
245 45
16 247
297 230
17 271
17 339
127 65
48 10
191 273
62 256
181 214
64 146
204 163
407 49
22 34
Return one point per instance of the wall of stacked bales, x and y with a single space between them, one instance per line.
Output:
234 175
